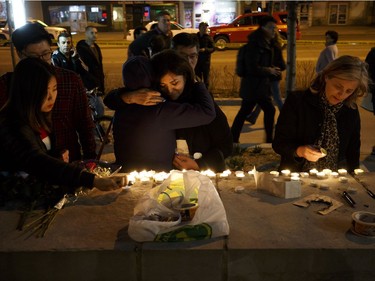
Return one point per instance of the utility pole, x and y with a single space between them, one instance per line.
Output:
290 82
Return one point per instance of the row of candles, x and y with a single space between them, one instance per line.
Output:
158 177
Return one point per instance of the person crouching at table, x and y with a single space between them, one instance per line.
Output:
320 127
25 131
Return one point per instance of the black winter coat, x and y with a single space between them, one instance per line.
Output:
259 56
299 124
95 66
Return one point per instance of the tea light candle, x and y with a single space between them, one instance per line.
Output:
224 175
313 172
285 173
321 175
358 171
334 174
274 173
343 179
304 174
251 173
294 178
209 173
240 175
327 171
294 175
342 172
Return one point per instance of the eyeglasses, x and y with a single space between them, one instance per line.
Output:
45 56
191 56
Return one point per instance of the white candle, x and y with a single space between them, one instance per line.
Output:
358 171
327 171
342 172
294 178
313 172
304 174
343 179
285 172
294 175
334 174
274 173
321 175
224 175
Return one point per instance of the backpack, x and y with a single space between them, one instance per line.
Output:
241 61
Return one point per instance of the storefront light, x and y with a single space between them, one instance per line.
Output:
18 13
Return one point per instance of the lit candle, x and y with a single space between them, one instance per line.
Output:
224 175
294 175
321 175
342 172
313 172
240 175
285 173
274 173
358 171
209 173
251 173
294 178
327 171
343 179
334 174
304 174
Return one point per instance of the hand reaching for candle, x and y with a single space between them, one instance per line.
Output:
106 184
185 162
143 96
310 153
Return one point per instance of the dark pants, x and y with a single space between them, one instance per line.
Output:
246 108
202 70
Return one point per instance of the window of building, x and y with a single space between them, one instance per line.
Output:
338 13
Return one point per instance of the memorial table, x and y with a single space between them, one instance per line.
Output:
270 239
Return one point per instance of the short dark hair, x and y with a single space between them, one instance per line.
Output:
137 31
162 13
266 19
30 33
185 39
333 34
63 34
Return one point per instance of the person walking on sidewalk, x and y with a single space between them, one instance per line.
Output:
206 48
330 52
255 88
275 82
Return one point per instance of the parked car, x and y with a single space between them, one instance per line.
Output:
4 34
53 31
238 30
175 28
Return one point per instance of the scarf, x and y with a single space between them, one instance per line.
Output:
329 137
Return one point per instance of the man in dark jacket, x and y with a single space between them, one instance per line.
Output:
67 57
157 39
91 55
206 48
261 66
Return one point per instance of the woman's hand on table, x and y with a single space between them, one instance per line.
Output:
185 162
309 153
106 184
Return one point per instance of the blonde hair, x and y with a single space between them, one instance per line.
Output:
346 68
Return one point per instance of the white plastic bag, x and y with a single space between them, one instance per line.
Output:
209 220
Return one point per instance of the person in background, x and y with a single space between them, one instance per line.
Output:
261 68
330 52
275 81
67 57
206 48
370 60
91 55
325 116
145 136
162 32
26 131
71 119
139 31
214 140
